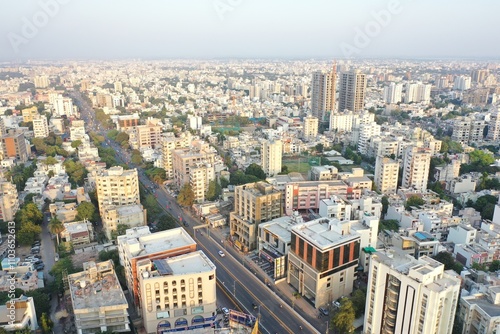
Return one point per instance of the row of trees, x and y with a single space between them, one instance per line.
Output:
28 223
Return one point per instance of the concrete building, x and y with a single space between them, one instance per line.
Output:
78 233
254 203
40 127
271 154
480 312
126 122
63 106
468 130
416 168
447 172
132 215
494 126
365 133
386 175
98 300
140 244
393 93
346 120
462 82
406 295
323 173
29 114
14 146
169 143
23 310
77 130
323 93
322 260
462 234
418 92
41 81
177 293
352 90
310 128
148 135
116 186
9 201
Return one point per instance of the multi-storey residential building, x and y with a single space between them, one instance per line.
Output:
468 130
416 168
98 300
384 146
41 81
9 201
194 166
14 146
254 203
447 172
126 122
323 173
177 293
132 215
40 127
24 315
352 90
116 186
271 153
148 135
479 312
494 126
169 143
323 92
393 93
140 244
462 82
63 106
310 128
406 295
29 114
322 260
78 233
346 120
418 92
366 132
77 130
386 175
307 195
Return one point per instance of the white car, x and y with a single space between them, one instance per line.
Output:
221 253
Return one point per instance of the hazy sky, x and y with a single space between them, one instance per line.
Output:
108 29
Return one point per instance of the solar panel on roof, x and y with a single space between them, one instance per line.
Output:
162 267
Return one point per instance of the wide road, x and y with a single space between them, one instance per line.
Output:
230 272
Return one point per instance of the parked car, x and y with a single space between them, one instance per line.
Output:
40 267
221 254
56 258
225 311
323 311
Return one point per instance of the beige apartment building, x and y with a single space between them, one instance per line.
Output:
386 175
480 312
40 127
169 143
148 135
29 114
416 166
116 186
132 215
98 300
352 90
194 166
9 201
177 293
310 128
410 296
271 153
254 203
323 92
140 244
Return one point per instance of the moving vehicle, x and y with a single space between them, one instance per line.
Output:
221 253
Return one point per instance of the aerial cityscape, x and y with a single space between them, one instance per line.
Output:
228 166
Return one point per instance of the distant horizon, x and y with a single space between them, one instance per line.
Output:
257 29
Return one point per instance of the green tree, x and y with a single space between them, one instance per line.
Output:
385 205
358 302
41 301
29 213
256 171
76 143
76 172
112 134
56 227
50 161
136 159
414 201
319 148
224 182
86 210
166 222
186 195
481 158
214 190
389 224
46 323
343 319
58 269
151 206
448 261
28 233
122 137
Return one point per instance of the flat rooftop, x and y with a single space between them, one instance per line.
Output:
482 302
158 242
282 226
76 227
191 263
96 288
324 233
127 210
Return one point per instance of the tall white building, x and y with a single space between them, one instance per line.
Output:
62 105
416 168
392 93
323 91
310 128
386 175
42 81
494 126
116 186
346 121
271 153
366 132
40 127
418 92
409 296
462 82
468 130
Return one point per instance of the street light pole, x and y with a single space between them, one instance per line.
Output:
234 289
